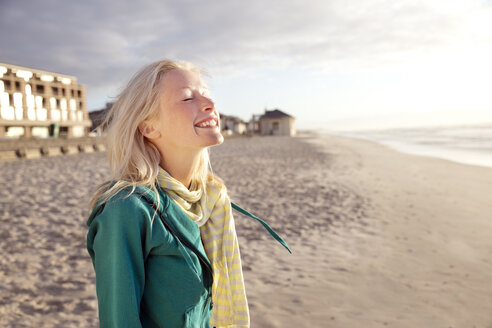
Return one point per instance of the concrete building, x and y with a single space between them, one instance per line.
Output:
33 102
276 122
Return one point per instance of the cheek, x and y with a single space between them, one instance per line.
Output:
179 121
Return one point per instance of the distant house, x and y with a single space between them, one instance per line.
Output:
254 124
98 116
232 124
276 122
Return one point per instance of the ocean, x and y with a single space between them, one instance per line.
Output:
463 144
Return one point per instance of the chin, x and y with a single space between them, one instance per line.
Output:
219 139
211 140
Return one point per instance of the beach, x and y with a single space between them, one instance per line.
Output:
379 238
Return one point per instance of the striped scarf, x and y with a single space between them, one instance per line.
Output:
210 208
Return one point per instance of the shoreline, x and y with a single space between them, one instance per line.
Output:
462 156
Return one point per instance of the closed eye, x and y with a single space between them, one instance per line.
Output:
187 99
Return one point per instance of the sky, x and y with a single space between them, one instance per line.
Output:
332 64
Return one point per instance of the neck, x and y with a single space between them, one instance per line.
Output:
180 164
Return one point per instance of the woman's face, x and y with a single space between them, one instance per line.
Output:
187 116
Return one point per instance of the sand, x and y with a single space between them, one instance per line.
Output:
379 238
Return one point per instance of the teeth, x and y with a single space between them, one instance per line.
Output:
208 123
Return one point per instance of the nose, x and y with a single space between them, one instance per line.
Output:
207 104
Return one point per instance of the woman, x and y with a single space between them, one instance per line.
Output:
154 266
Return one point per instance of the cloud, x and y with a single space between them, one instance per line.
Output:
104 42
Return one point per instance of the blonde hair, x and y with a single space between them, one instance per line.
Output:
134 160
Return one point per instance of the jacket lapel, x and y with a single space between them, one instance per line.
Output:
185 229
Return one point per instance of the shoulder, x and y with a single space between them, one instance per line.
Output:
121 224
127 206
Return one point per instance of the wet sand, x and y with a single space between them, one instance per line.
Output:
379 238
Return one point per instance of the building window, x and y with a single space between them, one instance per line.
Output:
40 88
54 90
39 131
53 103
79 94
39 102
64 131
72 104
15 131
17 86
63 104
7 85
73 93
63 92
7 113
18 100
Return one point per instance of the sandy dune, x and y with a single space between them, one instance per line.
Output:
380 239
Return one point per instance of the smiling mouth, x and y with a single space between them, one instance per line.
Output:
210 123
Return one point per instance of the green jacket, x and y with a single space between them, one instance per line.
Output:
150 273
145 275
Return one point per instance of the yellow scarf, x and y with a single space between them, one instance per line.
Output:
210 208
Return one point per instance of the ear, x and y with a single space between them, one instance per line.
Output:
148 130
